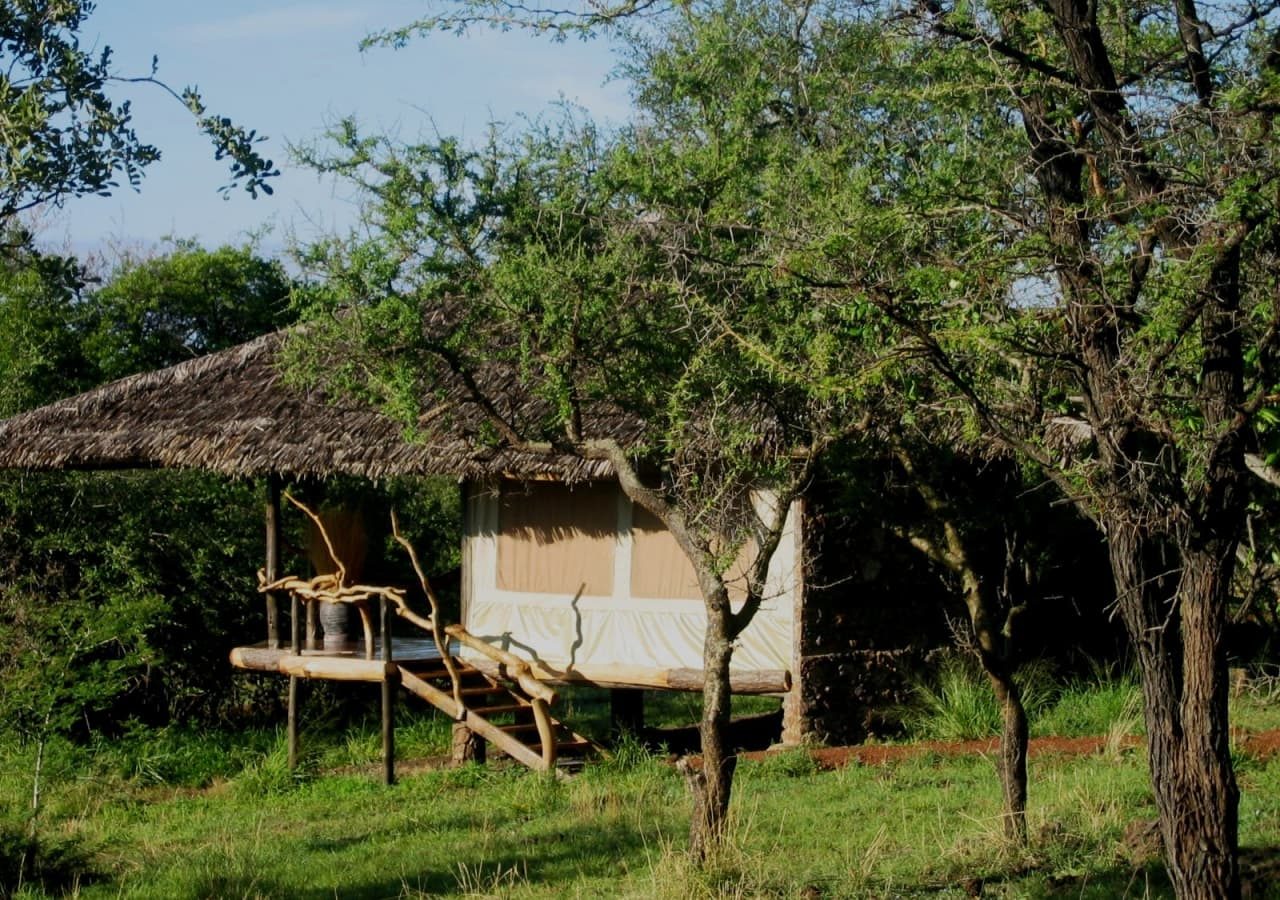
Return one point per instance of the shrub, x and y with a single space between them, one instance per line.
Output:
1108 702
959 704
55 865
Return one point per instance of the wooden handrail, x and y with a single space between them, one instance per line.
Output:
516 666
542 695
546 732
332 587
434 623
484 727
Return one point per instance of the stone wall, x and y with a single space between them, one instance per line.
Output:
872 614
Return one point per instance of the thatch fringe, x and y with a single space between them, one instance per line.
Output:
232 412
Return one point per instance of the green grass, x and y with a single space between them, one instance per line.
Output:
1109 703
957 703
1256 707
177 815
923 827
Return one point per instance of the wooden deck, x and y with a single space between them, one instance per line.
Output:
524 729
403 649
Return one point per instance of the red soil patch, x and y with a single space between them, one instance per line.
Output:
1263 744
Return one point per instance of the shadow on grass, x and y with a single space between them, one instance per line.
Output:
542 860
1119 881
1259 878
55 865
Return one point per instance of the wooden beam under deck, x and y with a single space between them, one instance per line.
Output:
314 664
766 681
330 668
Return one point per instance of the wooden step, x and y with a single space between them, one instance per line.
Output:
480 691
512 729
426 674
572 746
435 671
505 708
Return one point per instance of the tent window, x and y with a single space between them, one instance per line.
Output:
660 570
557 540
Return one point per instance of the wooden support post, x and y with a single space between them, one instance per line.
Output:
389 683
626 711
272 570
295 642
467 745
313 626
546 733
293 723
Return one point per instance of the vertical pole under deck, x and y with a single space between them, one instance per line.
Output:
272 570
295 647
626 712
390 680
313 627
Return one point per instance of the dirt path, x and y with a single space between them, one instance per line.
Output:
1263 744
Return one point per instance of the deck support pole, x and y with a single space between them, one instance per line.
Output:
295 646
313 626
272 570
467 745
626 711
389 684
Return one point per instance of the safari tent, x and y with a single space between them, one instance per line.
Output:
563 579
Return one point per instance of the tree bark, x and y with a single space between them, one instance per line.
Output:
1176 627
1013 752
996 657
711 785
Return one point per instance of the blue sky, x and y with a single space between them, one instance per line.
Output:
287 69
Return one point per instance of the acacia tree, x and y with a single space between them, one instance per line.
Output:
65 136
736 155
1067 209
1147 142
539 288
988 561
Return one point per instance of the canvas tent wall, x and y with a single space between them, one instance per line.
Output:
578 578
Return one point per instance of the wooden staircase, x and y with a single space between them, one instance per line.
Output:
512 719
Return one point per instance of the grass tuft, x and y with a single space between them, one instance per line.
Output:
498 881
52 864
958 704
795 762
1108 703
270 775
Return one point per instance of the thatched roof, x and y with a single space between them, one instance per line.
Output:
231 412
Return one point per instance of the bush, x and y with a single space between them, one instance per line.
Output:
959 704
55 865
1110 701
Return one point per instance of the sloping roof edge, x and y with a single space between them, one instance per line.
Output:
232 412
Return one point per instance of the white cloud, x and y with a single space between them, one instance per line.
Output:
608 102
272 23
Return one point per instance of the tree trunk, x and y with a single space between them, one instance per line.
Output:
1013 750
1176 625
996 654
711 785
